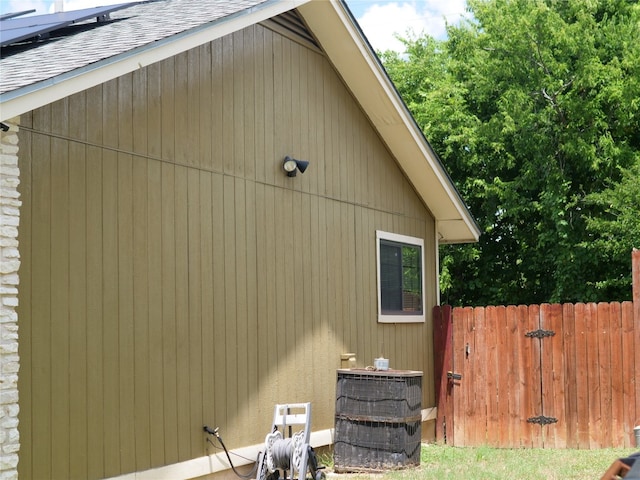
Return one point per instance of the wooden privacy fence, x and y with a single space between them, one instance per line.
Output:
558 376
539 376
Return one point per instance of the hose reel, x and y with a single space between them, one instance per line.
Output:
284 453
292 454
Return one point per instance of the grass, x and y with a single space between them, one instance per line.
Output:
485 463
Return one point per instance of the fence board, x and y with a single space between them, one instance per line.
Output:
558 431
477 357
526 376
468 378
459 323
547 374
617 398
582 386
604 372
502 384
591 327
570 375
492 380
536 387
628 373
513 377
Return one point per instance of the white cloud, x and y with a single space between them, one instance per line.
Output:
380 20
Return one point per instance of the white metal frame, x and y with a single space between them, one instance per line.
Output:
414 241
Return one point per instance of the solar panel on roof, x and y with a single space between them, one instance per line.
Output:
13 30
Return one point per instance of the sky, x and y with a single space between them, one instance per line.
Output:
379 19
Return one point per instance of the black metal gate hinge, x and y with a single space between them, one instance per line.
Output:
542 420
540 333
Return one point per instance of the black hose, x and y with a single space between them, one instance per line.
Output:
217 435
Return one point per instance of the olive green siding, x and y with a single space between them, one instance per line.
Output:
173 276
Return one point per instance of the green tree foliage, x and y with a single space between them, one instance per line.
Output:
614 229
534 108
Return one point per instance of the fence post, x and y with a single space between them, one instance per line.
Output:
635 280
442 339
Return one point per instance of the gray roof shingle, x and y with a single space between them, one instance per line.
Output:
138 26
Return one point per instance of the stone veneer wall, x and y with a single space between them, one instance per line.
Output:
9 264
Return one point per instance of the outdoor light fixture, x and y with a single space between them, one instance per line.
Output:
291 166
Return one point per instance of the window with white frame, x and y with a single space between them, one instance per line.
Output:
400 260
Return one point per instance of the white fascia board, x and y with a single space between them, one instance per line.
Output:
453 231
37 95
362 72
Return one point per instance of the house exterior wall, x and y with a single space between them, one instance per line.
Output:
9 265
173 275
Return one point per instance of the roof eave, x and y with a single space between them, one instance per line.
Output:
354 59
352 56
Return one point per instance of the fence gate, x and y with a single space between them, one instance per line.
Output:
537 376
